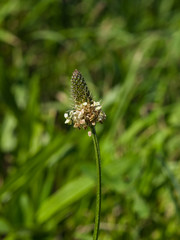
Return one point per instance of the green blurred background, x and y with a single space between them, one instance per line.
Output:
129 54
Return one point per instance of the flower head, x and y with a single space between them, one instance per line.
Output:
86 111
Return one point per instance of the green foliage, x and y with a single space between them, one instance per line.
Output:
128 52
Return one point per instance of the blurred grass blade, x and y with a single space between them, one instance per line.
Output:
8 8
9 38
26 173
4 226
167 171
68 194
48 35
6 94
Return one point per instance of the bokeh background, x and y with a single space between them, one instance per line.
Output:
129 54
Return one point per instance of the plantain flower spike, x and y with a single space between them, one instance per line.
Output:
86 112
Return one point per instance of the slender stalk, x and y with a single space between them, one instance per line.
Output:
87 113
98 197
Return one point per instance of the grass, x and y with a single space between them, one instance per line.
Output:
128 52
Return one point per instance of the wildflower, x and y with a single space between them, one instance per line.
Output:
86 112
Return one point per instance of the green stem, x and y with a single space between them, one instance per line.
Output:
98 197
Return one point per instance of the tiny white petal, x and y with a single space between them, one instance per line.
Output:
66 115
82 121
98 108
76 125
85 104
68 121
96 103
80 115
89 133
